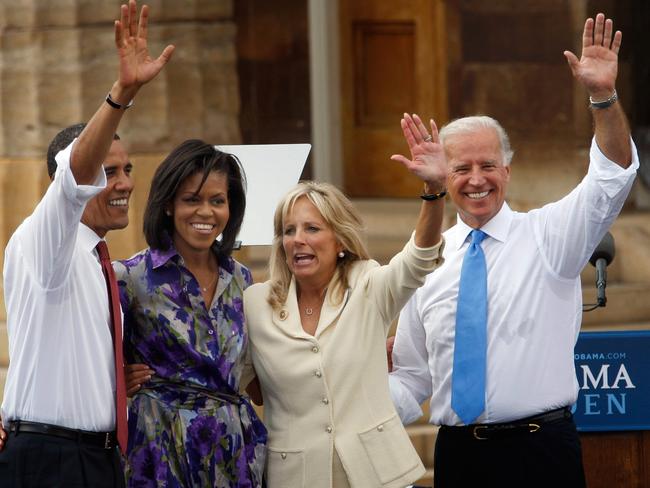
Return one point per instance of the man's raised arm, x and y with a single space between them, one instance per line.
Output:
597 70
136 68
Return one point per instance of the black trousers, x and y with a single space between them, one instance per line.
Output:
548 458
43 461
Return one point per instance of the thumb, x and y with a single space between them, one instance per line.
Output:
400 159
572 60
166 55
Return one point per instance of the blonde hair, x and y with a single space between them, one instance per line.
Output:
339 213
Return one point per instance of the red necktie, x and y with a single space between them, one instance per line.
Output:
116 322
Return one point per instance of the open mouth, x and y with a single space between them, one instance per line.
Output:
302 259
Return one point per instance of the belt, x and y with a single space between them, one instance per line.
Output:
528 425
105 440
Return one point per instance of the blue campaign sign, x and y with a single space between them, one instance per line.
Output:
613 371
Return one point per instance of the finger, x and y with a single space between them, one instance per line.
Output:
124 23
138 379
434 131
144 22
133 14
598 30
406 130
607 35
616 43
132 390
588 33
421 127
137 367
417 136
118 34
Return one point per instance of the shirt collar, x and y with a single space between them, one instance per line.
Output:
160 257
497 227
87 237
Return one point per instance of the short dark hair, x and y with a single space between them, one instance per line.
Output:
191 157
60 142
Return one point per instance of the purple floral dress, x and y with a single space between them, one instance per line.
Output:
188 426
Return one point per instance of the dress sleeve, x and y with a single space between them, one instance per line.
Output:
390 286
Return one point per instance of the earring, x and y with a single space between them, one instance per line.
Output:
168 213
341 254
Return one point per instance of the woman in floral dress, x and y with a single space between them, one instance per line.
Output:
184 319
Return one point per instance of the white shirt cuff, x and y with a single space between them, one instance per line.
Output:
407 407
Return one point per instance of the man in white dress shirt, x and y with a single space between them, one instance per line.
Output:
525 434
59 400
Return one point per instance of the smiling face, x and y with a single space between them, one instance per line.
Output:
477 179
109 210
199 215
310 245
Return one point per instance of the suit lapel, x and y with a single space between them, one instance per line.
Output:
288 317
329 313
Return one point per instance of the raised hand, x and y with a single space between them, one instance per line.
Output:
136 67
428 161
598 66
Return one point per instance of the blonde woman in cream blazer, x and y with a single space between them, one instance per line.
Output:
318 329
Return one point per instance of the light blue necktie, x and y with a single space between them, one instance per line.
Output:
470 345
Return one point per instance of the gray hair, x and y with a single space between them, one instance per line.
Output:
478 122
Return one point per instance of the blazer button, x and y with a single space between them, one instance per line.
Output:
318 374
283 455
328 429
380 428
325 400
314 349
283 314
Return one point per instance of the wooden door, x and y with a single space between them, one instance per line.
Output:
393 60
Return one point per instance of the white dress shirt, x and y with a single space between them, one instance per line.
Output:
61 367
534 261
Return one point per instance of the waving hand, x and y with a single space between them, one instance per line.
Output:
597 67
136 67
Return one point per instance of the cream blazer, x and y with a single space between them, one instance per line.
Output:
329 392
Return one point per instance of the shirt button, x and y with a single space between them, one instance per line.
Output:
325 400
283 314
314 349
318 374
328 429
380 428
283 455
210 331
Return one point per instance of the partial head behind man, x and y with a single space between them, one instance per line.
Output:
478 154
190 158
109 209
